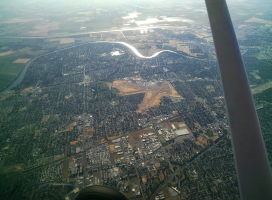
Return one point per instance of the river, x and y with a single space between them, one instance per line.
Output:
135 51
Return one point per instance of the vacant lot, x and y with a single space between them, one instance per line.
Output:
6 53
21 60
154 91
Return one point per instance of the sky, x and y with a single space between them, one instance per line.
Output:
14 7
70 3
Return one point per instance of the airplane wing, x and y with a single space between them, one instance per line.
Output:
252 166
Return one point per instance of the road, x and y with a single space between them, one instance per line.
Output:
183 165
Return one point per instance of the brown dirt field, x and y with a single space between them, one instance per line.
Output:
113 137
103 141
186 49
76 141
181 47
201 141
67 40
144 179
6 53
135 136
258 20
115 156
161 176
21 20
243 26
29 89
201 35
126 88
88 132
14 168
213 138
63 40
111 147
45 118
68 128
43 29
68 96
21 60
154 91
157 165
73 142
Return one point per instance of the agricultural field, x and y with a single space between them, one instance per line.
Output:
9 69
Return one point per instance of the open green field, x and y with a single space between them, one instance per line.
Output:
8 71
262 87
263 99
21 49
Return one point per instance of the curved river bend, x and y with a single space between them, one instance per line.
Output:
21 76
137 53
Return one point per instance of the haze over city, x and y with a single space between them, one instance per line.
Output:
125 94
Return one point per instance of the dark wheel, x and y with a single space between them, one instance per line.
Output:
98 192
